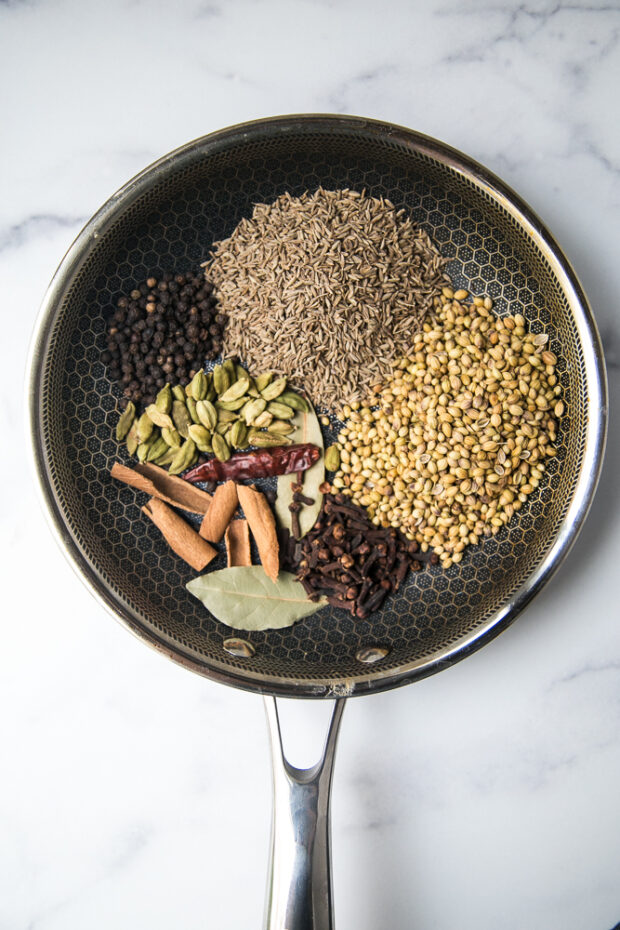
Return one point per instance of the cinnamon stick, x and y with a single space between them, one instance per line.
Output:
158 483
220 512
237 538
263 526
181 538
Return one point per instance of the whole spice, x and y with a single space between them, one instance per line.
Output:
161 332
330 307
332 458
184 457
262 524
260 464
220 447
181 538
351 561
237 539
126 421
220 513
158 483
266 439
460 432
244 598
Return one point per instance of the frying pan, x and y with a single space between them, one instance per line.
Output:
166 219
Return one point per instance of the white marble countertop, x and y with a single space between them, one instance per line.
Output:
134 794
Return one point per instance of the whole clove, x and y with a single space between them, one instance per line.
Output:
350 560
295 525
300 498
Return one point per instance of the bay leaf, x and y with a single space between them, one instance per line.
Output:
307 429
244 598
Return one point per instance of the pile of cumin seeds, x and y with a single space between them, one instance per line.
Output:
328 288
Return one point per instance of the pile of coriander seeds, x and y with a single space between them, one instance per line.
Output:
450 446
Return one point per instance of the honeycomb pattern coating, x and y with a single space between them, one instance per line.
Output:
170 225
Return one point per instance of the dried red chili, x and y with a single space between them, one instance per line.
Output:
263 463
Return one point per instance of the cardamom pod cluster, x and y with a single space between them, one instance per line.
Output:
218 412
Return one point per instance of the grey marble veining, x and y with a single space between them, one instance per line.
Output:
134 794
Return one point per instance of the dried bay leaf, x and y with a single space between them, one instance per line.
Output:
307 429
244 598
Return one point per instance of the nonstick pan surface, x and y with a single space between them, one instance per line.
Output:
165 219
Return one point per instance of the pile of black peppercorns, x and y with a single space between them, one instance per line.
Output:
163 332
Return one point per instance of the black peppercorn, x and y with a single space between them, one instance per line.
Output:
156 332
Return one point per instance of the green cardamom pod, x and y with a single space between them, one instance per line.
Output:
280 411
231 404
263 420
125 421
207 414
191 409
145 428
171 437
281 426
263 380
132 440
178 393
143 449
296 401
221 379
227 416
236 390
253 409
166 457
156 449
221 448
211 393
198 386
223 427
229 366
240 372
181 418
157 417
163 401
238 435
201 436
264 439
332 458
183 457
274 389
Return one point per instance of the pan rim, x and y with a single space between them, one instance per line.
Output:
370 679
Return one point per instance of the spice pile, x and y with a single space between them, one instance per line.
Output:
327 288
216 412
217 513
163 331
460 431
351 561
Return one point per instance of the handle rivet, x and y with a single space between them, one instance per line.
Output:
370 654
238 647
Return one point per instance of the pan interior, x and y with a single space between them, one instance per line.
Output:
167 223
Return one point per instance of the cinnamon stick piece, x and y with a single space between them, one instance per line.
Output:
220 512
181 538
263 526
158 483
237 538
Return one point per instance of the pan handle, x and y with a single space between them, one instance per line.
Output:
299 881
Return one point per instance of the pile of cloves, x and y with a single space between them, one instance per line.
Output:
348 559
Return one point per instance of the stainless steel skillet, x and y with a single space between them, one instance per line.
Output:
165 219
